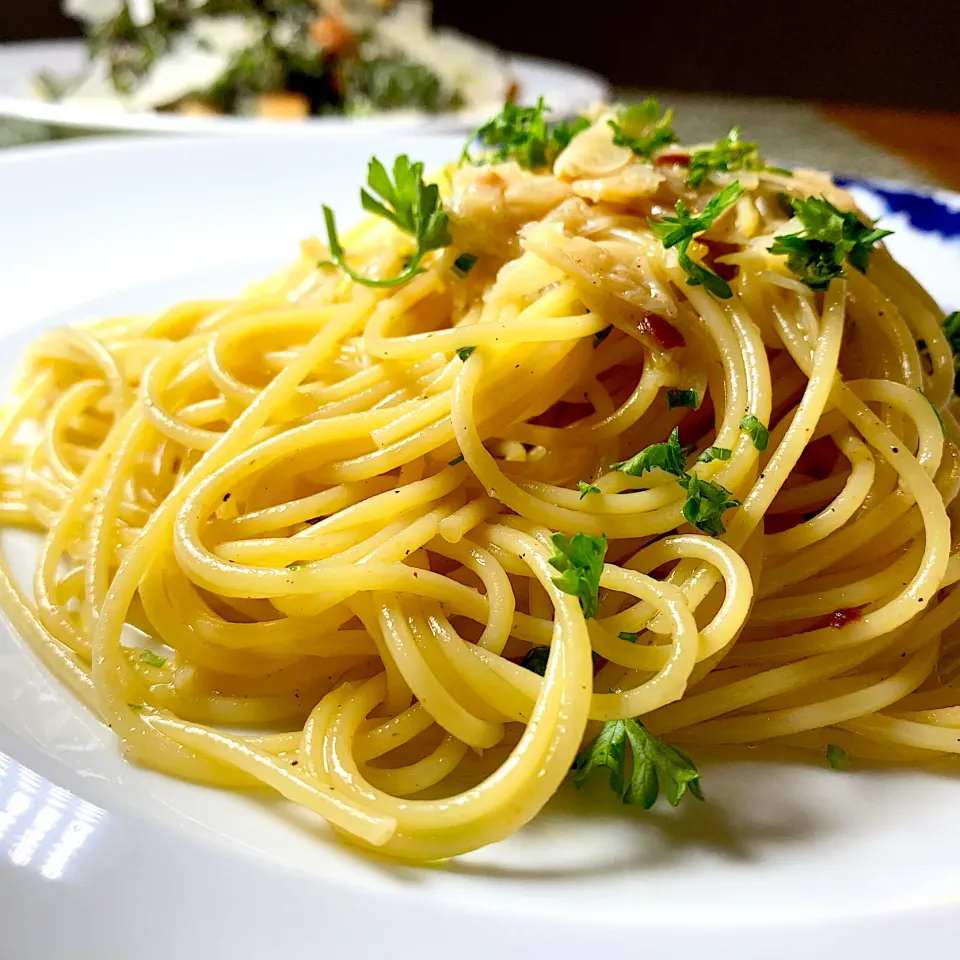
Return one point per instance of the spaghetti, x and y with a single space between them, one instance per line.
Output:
397 552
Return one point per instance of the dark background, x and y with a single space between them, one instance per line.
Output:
889 52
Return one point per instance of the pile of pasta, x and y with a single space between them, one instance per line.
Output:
402 553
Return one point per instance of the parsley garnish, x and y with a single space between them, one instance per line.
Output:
837 757
715 453
464 264
943 426
522 134
601 335
951 330
152 659
681 398
580 561
828 239
631 636
667 456
294 567
455 461
726 155
757 432
680 230
642 128
413 206
656 765
586 488
465 352
535 660
706 503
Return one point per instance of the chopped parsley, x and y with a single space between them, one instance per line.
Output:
294 567
828 240
656 765
757 432
535 660
152 659
943 426
715 453
837 757
580 562
464 264
726 155
522 134
706 503
465 352
642 128
631 636
951 330
455 461
406 201
682 398
666 456
679 232
586 488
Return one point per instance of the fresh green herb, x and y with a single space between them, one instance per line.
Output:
642 128
535 660
294 567
706 503
152 659
374 84
757 432
943 426
137 707
586 488
837 757
951 330
631 636
666 456
601 335
580 561
413 206
726 155
465 352
829 239
522 134
715 453
455 461
464 264
681 398
656 765
679 232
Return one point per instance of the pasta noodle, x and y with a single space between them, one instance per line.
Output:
306 538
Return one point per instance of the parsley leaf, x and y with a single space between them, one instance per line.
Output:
943 426
680 230
951 330
631 636
535 659
829 238
413 206
715 453
642 128
682 398
837 757
465 352
464 264
667 456
726 155
580 561
522 134
706 503
456 460
152 659
586 488
757 432
656 765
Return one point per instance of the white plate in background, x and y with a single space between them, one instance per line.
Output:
102 860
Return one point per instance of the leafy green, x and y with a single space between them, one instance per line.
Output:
456 460
706 503
522 134
666 456
837 757
413 206
294 567
464 352
951 330
535 660
757 432
726 155
152 659
828 240
642 127
679 232
715 453
580 562
656 765
392 82
943 426
682 398
586 488
631 636
464 264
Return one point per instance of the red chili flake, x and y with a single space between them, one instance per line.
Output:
672 160
666 335
843 616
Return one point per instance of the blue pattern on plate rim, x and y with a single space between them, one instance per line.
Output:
924 210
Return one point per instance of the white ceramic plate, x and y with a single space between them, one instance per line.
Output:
99 859
566 89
